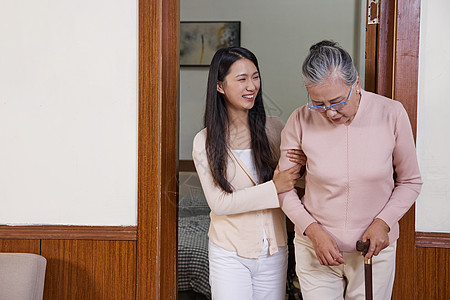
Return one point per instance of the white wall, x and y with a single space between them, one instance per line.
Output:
433 135
68 112
280 34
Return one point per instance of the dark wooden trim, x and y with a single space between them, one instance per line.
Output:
370 80
386 48
433 239
64 232
186 166
157 149
147 269
405 85
169 150
406 70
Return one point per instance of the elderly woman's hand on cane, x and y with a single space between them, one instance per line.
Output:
373 241
377 233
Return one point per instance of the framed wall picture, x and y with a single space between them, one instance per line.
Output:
200 40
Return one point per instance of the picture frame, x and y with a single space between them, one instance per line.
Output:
199 40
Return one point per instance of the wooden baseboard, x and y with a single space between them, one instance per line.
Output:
64 232
433 239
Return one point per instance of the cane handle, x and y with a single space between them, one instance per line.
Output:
363 246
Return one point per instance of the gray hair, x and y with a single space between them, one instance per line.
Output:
326 60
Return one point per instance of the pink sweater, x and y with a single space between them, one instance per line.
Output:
350 170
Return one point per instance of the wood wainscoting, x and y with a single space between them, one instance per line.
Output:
433 273
433 265
83 262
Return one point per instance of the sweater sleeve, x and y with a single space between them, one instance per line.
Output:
290 202
261 196
408 181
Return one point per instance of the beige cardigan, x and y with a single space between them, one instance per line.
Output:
238 218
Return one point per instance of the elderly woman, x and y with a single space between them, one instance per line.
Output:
362 177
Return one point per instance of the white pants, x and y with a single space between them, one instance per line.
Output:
318 282
234 277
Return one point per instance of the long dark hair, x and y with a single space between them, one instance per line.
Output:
216 122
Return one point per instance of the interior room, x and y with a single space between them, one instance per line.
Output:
292 28
97 187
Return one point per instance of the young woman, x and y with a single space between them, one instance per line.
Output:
236 157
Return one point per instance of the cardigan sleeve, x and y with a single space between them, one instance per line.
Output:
408 181
261 196
290 203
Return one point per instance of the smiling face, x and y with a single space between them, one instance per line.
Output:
240 86
335 91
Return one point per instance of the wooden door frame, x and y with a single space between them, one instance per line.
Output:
157 149
397 78
158 132
405 89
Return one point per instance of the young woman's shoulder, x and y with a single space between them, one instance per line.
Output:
200 139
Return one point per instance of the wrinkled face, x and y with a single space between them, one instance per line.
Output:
240 86
332 92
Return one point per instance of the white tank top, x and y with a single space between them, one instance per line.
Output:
246 156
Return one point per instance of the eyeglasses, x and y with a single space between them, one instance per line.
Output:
334 106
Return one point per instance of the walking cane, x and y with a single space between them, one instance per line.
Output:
364 247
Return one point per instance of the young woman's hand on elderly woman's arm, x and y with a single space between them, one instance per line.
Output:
285 181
